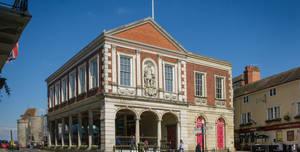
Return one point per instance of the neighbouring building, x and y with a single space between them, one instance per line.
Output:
13 18
30 128
137 84
267 111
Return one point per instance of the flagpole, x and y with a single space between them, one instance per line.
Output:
153 9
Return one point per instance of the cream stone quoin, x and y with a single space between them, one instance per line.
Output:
140 86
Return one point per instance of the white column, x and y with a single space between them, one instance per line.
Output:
79 130
158 132
179 80
70 131
90 128
49 134
138 73
62 131
137 130
55 133
114 69
178 134
160 76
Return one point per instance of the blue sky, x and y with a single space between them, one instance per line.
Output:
265 33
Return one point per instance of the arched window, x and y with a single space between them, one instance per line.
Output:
220 125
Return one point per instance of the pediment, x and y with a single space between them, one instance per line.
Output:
147 32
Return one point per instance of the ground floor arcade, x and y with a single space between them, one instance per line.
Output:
116 124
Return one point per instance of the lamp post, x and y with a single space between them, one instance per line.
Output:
202 131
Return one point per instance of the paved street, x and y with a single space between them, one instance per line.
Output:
23 150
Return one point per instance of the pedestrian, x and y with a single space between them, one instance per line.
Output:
198 148
181 149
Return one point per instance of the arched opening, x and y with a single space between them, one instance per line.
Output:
220 125
148 128
200 134
125 128
169 131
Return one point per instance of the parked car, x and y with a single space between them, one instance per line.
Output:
4 144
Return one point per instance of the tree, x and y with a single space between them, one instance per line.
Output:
4 86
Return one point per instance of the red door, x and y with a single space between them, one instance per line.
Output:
199 124
220 134
171 136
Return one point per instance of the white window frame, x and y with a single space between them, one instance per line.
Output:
204 86
246 118
298 109
78 76
51 96
175 72
223 87
273 92
132 69
246 99
69 84
64 98
274 114
96 57
57 94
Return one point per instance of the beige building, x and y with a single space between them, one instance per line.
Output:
137 84
30 128
267 111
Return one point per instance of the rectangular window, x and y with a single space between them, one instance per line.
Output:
51 97
125 70
168 78
273 113
273 92
220 86
246 118
57 93
199 84
81 79
298 108
94 73
246 99
72 85
64 84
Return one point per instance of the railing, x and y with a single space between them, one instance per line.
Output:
125 141
18 5
150 142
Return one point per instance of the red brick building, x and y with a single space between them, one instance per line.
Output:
137 84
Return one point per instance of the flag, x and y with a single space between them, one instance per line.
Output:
14 52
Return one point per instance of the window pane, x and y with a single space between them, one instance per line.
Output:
94 73
82 79
125 70
219 87
169 78
199 81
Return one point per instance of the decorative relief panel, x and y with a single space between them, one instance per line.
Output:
149 79
220 103
202 101
126 91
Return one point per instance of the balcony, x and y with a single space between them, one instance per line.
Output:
13 19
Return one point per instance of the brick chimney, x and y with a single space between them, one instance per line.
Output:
251 74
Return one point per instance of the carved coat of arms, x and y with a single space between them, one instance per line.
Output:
149 79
